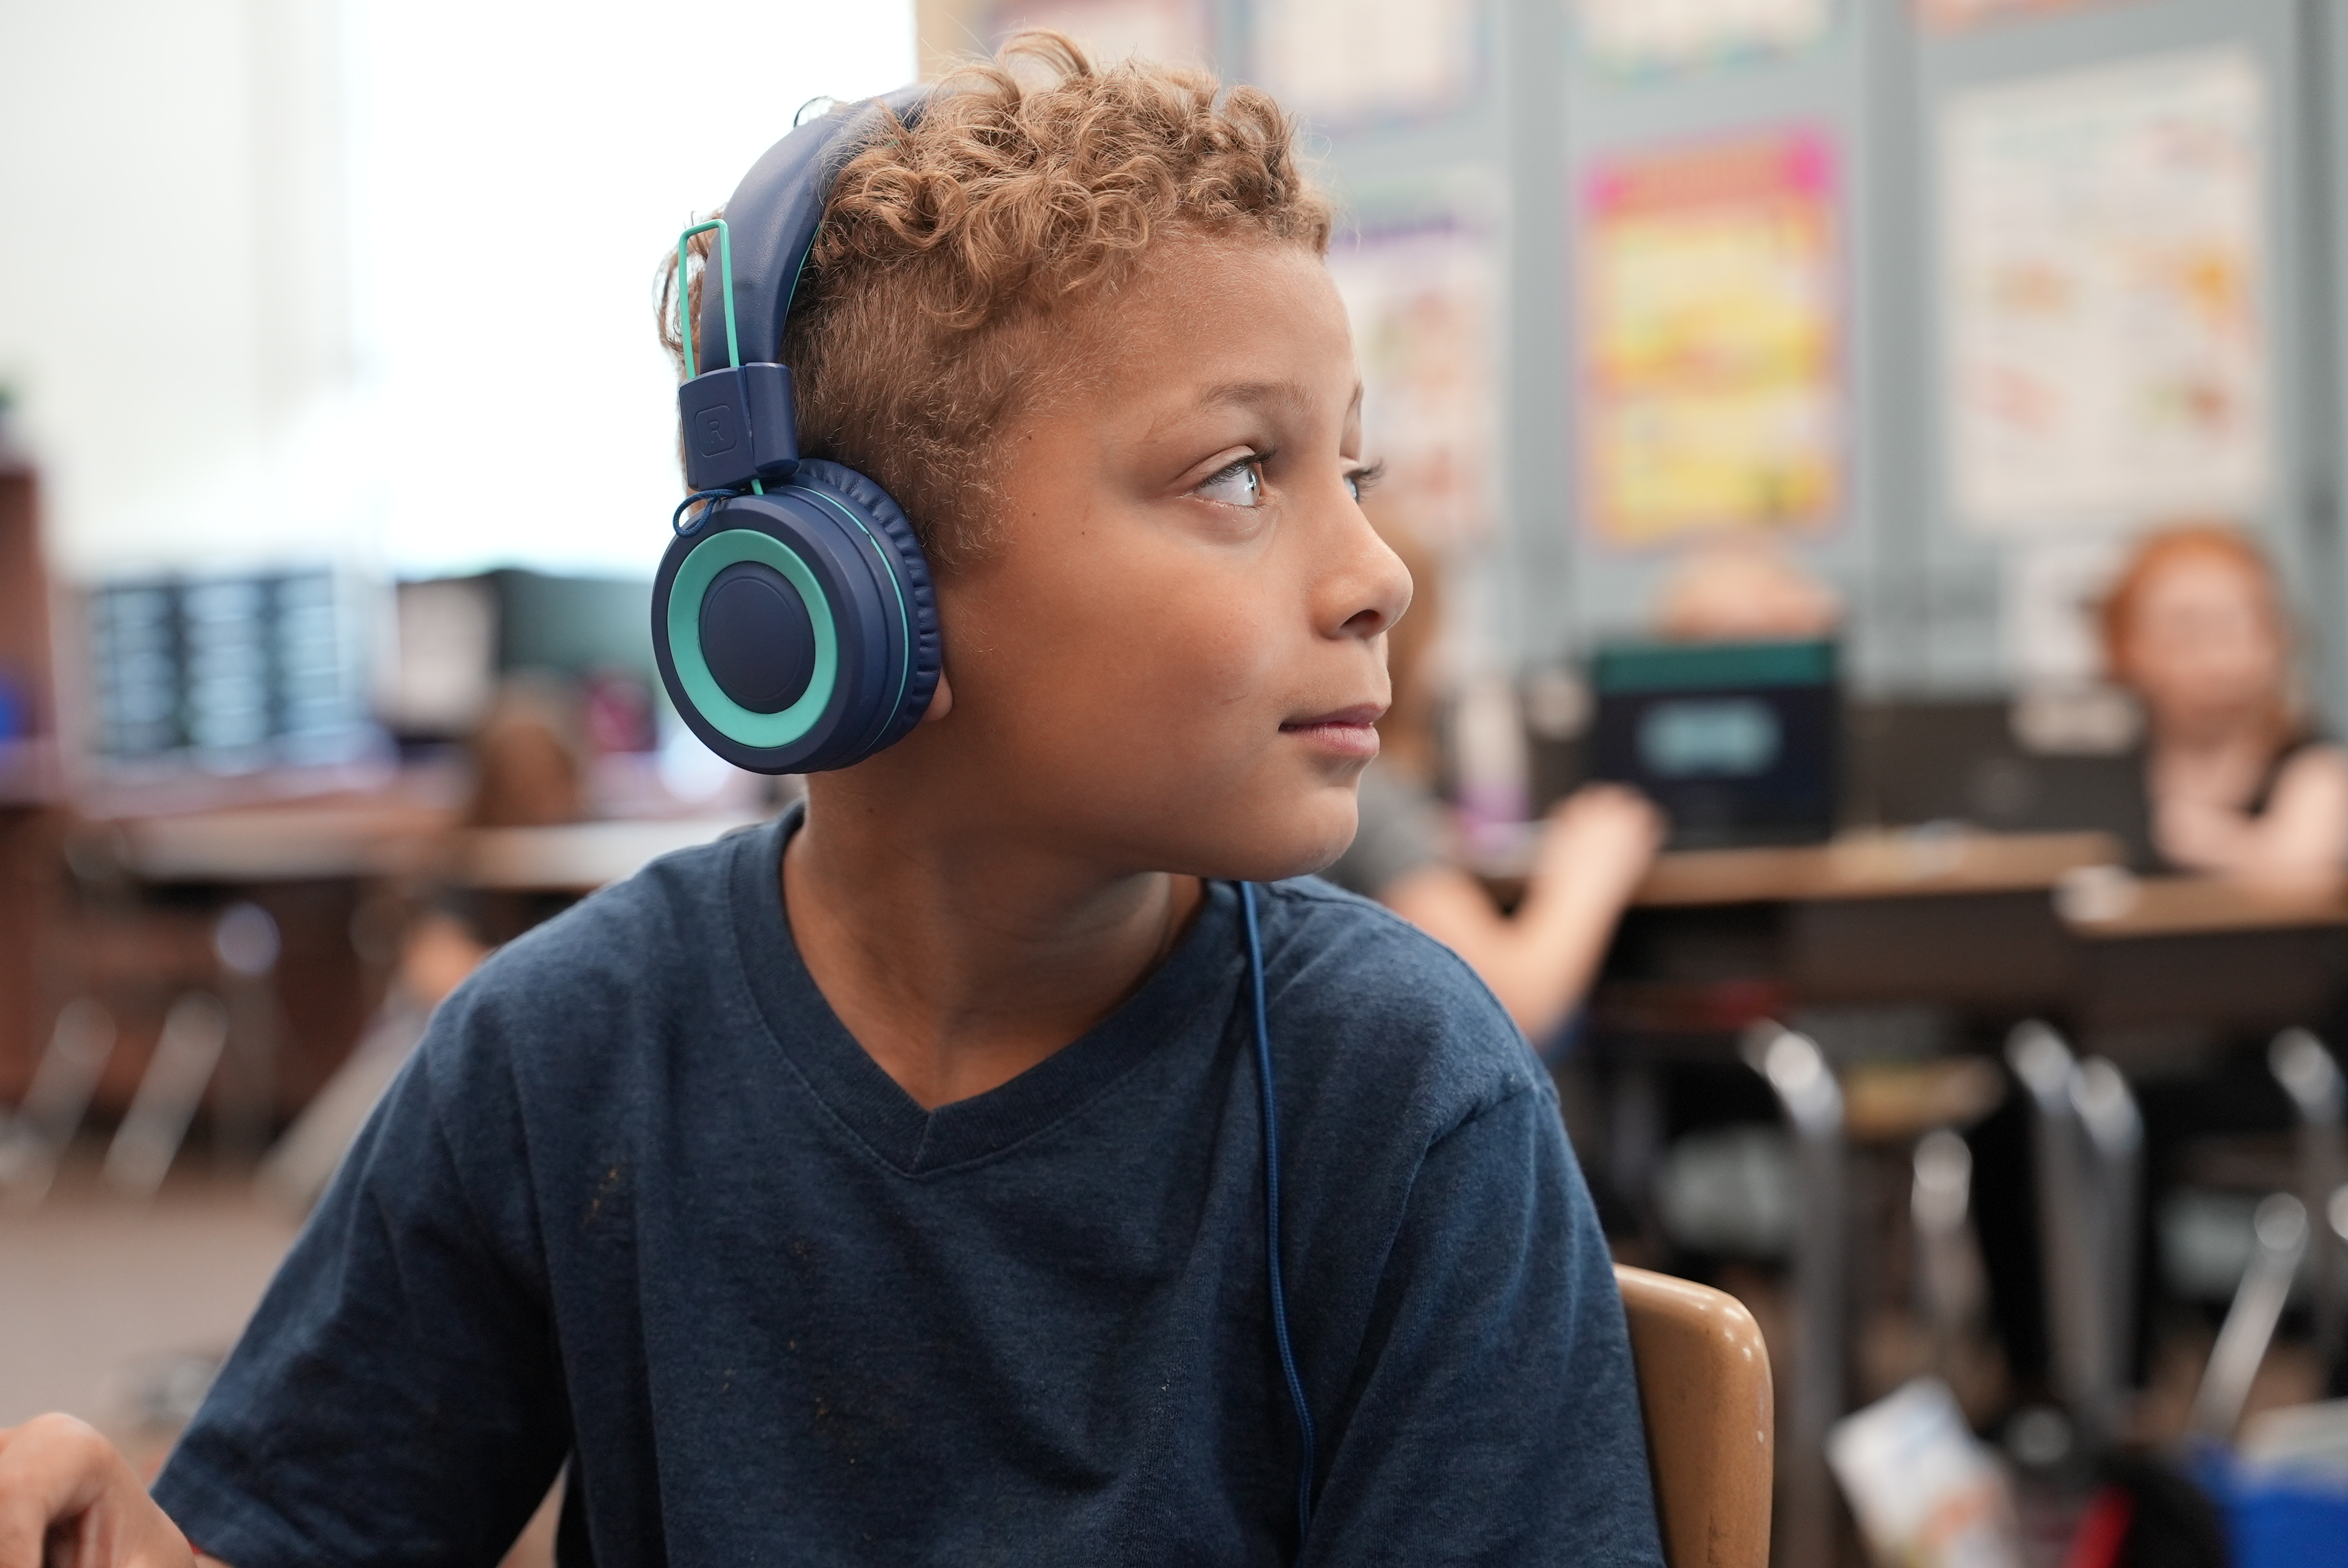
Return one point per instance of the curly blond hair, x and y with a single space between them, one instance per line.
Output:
942 298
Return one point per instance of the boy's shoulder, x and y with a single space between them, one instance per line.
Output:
1390 1014
662 938
1338 927
681 899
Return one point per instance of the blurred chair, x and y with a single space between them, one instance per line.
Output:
2087 1164
2318 1093
1704 1391
2281 1230
1811 1098
35 1138
438 952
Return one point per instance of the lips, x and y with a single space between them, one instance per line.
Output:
1346 732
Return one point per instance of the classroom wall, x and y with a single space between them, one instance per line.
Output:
1930 600
173 310
1933 602
1959 638
183 376
258 256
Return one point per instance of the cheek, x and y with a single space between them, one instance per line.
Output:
1185 664
1104 660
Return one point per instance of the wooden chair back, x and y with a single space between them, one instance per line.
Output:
1703 1387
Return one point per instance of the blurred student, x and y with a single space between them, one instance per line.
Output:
2235 781
1743 590
528 770
1593 849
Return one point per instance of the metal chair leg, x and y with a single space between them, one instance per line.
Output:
194 1032
2312 1080
1952 1290
2281 1229
2088 1139
1812 1103
63 1082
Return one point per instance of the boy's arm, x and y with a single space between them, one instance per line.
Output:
1494 1416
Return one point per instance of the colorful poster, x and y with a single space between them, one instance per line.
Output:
1635 36
1171 32
1351 62
1422 287
2101 234
1956 15
1712 397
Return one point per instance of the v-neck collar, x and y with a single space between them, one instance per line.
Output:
855 1088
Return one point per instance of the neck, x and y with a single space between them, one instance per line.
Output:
958 957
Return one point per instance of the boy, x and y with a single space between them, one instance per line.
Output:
888 1185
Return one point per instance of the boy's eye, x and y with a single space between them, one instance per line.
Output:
1239 485
1362 480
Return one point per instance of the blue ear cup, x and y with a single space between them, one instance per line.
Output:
797 630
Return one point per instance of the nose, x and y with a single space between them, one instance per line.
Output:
1367 588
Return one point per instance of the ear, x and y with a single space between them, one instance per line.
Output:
941 700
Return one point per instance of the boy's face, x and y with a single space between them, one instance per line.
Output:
1172 658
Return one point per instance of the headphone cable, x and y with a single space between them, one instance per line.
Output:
1271 1217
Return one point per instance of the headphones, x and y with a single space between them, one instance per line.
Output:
793 617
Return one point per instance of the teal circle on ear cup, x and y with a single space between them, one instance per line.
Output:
694 576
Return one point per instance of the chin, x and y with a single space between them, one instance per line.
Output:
1269 840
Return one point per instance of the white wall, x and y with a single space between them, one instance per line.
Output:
171 302
370 281
519 180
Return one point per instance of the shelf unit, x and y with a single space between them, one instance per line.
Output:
29 776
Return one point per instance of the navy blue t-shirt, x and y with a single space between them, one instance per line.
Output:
640 1201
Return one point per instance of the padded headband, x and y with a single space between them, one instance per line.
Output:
772 220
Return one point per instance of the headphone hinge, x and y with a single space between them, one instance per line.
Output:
738 427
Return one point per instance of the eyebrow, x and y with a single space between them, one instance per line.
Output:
1258 393
1293 394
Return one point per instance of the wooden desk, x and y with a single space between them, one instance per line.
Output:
294 841
1952 918
2157 955
1990 927
1874 866
315 865
359 838
580 857
2116 907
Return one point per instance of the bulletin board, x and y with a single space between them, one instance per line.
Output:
1175 32
1632 37
2102 236
1354 63
1956 15
1712 397
1423 285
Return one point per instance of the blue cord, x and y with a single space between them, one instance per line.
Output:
1271 1217
677 519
